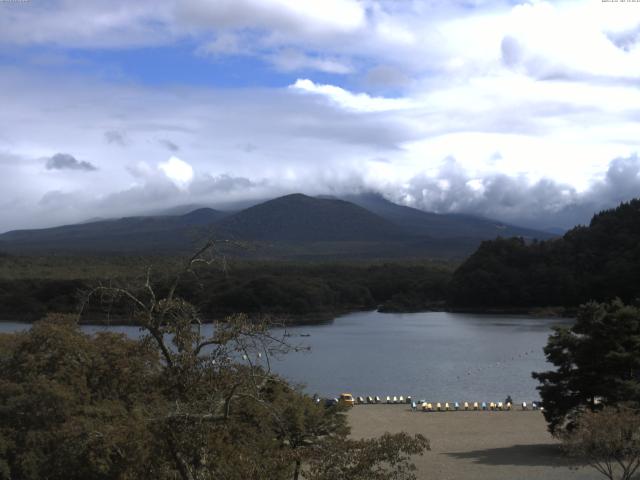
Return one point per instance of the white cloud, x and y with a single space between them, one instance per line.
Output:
543 203
575 40
360 102
442 39
118 23
178 171
549 86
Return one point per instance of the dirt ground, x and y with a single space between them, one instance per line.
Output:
511 445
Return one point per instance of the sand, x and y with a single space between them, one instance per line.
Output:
473 445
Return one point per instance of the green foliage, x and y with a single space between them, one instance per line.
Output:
81 267
510 273
283 289
598 262
597 361
307 289
72 406
383 458
34 298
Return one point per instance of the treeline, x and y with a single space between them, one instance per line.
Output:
278 289
298 290
598 262
31 299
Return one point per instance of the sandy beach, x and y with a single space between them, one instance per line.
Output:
473 445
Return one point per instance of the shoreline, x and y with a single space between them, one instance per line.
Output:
287 320
327 317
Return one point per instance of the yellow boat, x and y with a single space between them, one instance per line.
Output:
346 399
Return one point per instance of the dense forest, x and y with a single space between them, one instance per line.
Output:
33 286
597 262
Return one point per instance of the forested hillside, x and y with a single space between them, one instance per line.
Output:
597 262
300 218
161 234
293 227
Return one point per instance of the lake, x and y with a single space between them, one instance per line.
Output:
435 355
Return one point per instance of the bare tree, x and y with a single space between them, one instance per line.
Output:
221 401
607 440
203 373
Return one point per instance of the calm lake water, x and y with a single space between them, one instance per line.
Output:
435 355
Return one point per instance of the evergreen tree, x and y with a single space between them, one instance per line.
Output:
597 363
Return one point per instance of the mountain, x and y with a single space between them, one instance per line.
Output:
299 218
436 225
173 211
230 206
598 262
294 226
128 234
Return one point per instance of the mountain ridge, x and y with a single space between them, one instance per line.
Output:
441 225
294 225
298 217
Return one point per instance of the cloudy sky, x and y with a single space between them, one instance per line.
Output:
528 112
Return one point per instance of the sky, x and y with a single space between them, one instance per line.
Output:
527 112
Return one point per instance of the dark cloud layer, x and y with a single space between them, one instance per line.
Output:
169 145
116 137
65 161
158 192
545 204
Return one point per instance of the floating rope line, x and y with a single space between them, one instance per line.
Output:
505 361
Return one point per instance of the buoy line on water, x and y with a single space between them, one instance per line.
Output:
505 361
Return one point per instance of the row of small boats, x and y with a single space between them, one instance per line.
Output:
466 406
350 400
445 406
389 399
